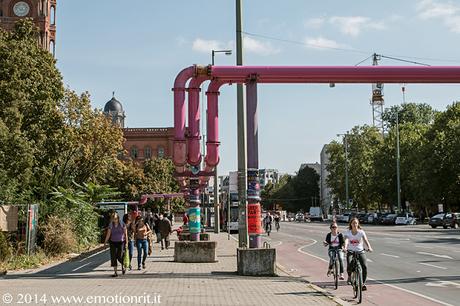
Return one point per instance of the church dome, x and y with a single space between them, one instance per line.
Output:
113 106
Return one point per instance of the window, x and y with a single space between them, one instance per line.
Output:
161 152
53 15
134 152
148 153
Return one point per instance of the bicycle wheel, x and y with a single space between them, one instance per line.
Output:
359 283
336 273
354 284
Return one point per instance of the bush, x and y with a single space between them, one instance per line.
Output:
59 236
5 248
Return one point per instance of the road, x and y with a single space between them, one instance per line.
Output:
410 264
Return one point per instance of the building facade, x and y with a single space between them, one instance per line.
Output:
42 12
140 144
268 176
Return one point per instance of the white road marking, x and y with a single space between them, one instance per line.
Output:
307 245
443 284
81 267
95 254
423 247
369 260
412 292
389 255
435 255
430 265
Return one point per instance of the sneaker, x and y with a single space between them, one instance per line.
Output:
143 266
130 267
123 271
364 288
139 268
349 281
329 272
115 274
341 277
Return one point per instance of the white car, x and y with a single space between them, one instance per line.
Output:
405 219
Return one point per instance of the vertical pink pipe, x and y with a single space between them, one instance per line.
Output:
212 128
194 154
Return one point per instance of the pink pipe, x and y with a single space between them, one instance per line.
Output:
194 154
212 128
180 147
338 74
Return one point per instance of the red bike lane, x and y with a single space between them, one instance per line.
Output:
295 260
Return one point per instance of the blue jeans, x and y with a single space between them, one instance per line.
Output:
130 250
142 249
340 259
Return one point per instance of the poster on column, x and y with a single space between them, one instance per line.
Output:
253 184
254 221
194 221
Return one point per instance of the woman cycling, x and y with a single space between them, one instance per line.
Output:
335 241
354 238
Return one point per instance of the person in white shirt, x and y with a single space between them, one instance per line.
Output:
354 239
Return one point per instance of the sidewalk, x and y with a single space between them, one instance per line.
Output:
169 282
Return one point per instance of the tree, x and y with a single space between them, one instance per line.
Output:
442 158
416 113
306 188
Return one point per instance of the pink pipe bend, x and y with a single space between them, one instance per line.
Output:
194 152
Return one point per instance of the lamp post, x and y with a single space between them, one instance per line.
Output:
345 140
226 52
216 183
398 176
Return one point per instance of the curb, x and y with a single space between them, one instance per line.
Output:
317 288
71 258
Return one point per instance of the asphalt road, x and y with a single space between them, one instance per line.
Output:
416 263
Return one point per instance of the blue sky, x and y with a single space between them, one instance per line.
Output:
137 47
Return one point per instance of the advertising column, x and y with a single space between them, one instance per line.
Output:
194 212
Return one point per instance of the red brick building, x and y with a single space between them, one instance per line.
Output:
43 13
141 143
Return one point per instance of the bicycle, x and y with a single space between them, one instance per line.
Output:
268 228
336 266
356 276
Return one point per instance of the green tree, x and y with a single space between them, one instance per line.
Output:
306 188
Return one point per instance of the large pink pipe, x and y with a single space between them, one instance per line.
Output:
338 74
194 154
212 128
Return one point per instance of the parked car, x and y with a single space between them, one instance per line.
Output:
451 220
437 220
362 217
389 219
372 218
381 217
300 217
405 219
345 217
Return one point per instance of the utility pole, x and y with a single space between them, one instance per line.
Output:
242 151
398 176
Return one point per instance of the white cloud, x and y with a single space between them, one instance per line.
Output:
448 12
315 22
321 43
353 25
349 25
429 9
206 46
252 45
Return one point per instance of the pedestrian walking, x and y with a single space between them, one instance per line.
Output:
156 220
116 236
142 232
165 228
128 221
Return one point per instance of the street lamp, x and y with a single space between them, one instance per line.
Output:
398 175
345 140
216 182
226 52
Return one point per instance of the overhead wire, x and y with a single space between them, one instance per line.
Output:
390 56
